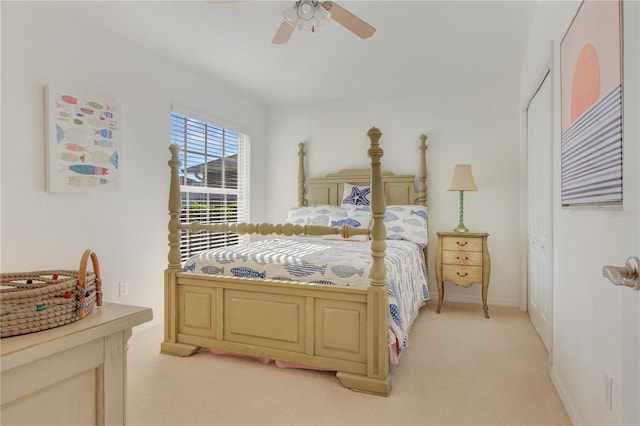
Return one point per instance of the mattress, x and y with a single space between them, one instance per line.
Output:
325 261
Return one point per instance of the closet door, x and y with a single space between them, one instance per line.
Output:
539 196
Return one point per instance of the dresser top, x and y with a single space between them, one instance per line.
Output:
102 321
463 234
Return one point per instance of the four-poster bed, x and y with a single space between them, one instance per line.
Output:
333 327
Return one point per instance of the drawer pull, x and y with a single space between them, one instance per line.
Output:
462 244
462 275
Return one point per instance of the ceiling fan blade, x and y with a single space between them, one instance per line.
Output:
283 34
349 20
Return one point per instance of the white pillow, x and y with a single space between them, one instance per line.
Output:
403 222
356 221
354 210
315 215
356 195
407 223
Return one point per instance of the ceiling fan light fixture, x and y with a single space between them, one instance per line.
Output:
308 14
307 9
291 14
322 15
304 25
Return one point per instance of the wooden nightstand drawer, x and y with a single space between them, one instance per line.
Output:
462 275
462 258
462 243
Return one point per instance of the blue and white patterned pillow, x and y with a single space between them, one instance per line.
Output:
356 195
354 210
356 221
407 223
315 215
403 222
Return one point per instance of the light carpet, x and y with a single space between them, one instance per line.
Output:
460 369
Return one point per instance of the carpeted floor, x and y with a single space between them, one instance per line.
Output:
460 369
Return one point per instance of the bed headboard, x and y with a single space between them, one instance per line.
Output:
398 189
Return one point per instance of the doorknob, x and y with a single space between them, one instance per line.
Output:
624 275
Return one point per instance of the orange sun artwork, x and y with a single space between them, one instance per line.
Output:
586 81
591 106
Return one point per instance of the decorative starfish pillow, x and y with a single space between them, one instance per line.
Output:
356 195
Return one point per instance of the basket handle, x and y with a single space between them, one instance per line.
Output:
82 279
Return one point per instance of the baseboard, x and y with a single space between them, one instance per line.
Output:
474 299
566 399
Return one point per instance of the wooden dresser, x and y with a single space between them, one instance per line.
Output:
463 259
70 375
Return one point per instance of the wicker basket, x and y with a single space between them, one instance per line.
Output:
39 300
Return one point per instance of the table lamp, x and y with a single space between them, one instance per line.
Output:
462 181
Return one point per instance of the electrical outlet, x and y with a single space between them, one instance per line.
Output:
124 288
608 390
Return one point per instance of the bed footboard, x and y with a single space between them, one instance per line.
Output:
313 325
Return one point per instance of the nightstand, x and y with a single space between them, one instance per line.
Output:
463 259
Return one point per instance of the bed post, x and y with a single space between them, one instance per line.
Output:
422 172
301 200
422 184
170 345
377 380
174 208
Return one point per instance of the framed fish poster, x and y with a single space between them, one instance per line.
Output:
591 99
83 142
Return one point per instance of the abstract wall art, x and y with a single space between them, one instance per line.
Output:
591 99
83 142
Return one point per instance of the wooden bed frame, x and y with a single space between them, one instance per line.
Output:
331 327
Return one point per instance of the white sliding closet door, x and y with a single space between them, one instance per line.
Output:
539 196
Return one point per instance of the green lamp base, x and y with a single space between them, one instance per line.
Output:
461 228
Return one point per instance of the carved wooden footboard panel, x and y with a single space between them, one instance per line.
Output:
318 326
332 327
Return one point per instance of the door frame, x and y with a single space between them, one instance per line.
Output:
549 196
630 345
546 71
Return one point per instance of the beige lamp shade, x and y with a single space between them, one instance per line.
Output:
462 179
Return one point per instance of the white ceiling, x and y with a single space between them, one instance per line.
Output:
417 45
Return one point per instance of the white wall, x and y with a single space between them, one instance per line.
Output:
43 44
465 123
586 308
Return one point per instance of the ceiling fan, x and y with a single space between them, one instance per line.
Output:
309 14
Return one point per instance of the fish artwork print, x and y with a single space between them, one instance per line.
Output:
105 133
86 181
74 134
103 143
74 147
99 157
69 157
86 169
83 142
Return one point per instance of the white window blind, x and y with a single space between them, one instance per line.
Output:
214 180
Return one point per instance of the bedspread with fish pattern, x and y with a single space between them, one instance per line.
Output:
328 262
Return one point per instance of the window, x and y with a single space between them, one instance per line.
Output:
214 180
